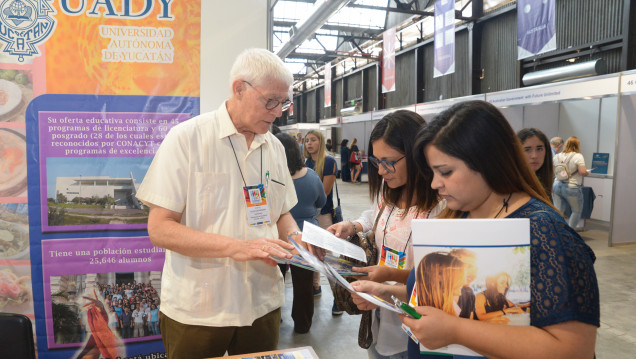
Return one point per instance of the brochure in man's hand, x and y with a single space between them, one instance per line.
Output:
326 269
341 265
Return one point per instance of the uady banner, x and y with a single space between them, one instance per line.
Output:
536 31
88 90
444 42
388 61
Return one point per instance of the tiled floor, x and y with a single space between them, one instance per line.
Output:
337 337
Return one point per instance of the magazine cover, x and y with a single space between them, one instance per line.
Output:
477 269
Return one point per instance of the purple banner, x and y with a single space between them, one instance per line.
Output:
91 164
444 54
536 31
83 269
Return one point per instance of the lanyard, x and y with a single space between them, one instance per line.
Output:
385 226
239 165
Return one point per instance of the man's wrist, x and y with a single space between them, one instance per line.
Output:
294 233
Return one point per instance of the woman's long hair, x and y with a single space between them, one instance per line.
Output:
294 160
479 135
398 130
572 144
320 156
494 299
439 276
545 173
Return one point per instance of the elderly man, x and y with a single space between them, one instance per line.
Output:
557 145
221 290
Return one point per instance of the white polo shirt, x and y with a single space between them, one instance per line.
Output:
195 173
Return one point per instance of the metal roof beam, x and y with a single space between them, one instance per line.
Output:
393 9
308 26
354 29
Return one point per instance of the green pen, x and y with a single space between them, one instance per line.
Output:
406 309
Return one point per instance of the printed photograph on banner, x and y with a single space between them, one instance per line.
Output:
16 91
113 306
16 292
13 164
14 231
83 192
91 165
101 293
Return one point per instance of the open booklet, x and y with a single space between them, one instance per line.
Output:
322 238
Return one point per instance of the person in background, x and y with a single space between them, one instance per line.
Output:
479 167
315 152
138 322
345 154
126 323
154 319
329 145
395 186
557 144
355 161
300 141
311 198
570 192
535 145
221 290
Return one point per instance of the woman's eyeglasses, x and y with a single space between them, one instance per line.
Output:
271 103
389 166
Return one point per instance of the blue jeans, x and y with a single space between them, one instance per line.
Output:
563 195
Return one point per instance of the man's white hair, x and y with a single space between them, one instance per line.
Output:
258 67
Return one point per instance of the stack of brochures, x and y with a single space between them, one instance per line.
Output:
340 265
333 267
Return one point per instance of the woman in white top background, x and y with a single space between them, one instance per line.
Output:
569 192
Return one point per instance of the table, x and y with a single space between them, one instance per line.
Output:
291 353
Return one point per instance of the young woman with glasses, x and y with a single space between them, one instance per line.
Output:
394 186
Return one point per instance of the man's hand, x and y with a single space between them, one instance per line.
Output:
262 249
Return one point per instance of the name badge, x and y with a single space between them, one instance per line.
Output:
392 258
256 203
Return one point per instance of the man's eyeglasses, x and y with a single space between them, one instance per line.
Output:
271 103
389 166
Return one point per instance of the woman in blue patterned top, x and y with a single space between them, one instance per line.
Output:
474 160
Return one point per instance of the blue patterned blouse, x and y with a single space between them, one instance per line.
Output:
563 283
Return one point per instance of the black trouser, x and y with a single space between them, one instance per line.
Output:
303 303
345 172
